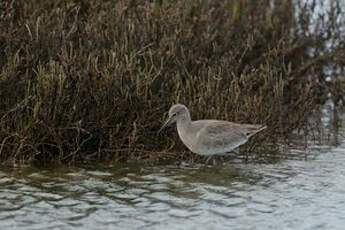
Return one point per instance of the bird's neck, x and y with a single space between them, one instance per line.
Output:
183 123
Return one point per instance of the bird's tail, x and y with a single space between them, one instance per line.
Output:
255 129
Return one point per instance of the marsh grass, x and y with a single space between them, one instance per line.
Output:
87 80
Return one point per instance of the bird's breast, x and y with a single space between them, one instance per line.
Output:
187 137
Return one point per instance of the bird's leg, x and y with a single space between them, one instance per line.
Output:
208 159
222 157
236 151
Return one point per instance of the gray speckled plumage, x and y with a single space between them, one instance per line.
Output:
209 137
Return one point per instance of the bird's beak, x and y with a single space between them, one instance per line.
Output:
167 123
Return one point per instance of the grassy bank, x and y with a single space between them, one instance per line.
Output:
85 80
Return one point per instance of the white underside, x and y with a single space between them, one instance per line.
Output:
218 151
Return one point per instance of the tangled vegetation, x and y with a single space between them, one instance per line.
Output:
90 79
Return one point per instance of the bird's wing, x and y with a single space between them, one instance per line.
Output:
221 135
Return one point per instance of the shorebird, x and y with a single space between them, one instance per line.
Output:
209 137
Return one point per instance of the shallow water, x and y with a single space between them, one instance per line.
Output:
306 192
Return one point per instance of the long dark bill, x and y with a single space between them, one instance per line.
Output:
167 123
